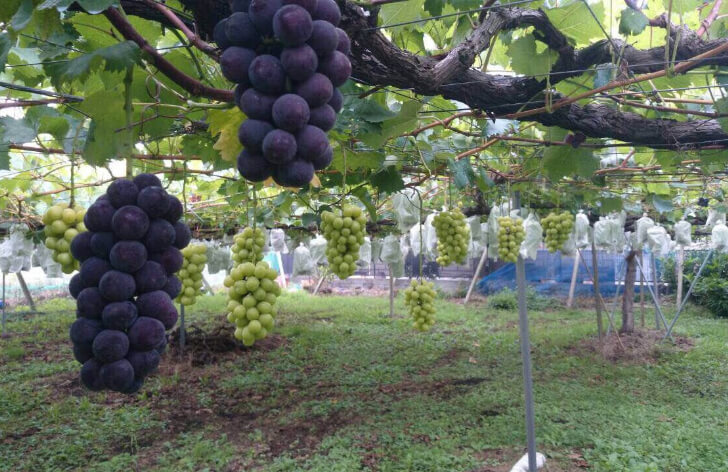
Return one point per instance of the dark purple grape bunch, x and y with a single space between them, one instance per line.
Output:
126 284
288 57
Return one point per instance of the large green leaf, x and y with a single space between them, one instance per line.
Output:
5 45
526 60
462 172
104 142
388 180
632 22
575 20
117 58
22 15
563 161
400 12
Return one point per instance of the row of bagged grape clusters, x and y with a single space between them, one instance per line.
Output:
288 57
126 284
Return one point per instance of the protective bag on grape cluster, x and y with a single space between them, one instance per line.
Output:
277 240
608 234
641 226
16 251
659 241
683 236
43 258
218 257
581 230
317 250
365 254
377 244
406 205
532 239
714 217
417 238
719 237
569 246
478 239
302 262
392 255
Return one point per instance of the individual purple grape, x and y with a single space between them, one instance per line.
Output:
337 100
337 67
254 167
101 244
143 181
110 345
311 142
82 353
128 256
90 303
183 235
122 192
292 25
118 376
84 330
299 62
266 74
261 14
117 286
324 38
91 375
327 10
173 287
344 45
143 362
324 160
154 201
92 269
175 211
171 259
81 246
130 222
145 334
119 315
241 31
157 305
235 62
291 112
75 285
323 117
279 147
309 5
257 106
150 277
98 216
161 235
295 174
317 90
251 134
219 36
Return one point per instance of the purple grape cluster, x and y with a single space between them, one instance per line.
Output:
288 57
126 284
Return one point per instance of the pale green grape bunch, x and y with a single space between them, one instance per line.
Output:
510 237
557 228
452 237
344 233
420 300
248 245
252 294
195 259
62 224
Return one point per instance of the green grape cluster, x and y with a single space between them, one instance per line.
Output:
62 224
452 237
420 300
344 235
248 245
557 228
252 294
510 237
195 258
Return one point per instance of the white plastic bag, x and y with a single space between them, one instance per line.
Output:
683 236
365 254
475 242
430 235
218 257
317 250
714 217
495 213
406 205
417 238
16 251
608 234
43 258
532 239
659 241
302 262
569 246
641 226
392 255
719 237
277 240
522 464
581 230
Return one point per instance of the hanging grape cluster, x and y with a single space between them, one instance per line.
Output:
248 245
126 284
344 235
195 259
510 237
252 294
557 228
452 237
288 57
420 300
62 225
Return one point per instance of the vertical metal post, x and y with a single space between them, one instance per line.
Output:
642 291
679 269
687 295
4 315
481 263
182 333
572 285
526 355
26 292
656 292
595 285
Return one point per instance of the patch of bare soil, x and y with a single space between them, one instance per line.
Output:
640 347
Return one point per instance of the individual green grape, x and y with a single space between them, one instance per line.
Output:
195 259
452 237
419 298
248 245
510 237
344 233
62 224
557 228
251 306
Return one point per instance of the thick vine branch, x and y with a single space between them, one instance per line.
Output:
194 87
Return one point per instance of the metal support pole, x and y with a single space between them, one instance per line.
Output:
321 280
572 286
207 285
610 315
658 310
656 293
481 263
597 293
391 292
182 333
687 295
679 269
4 314
526 355
642 292
26 292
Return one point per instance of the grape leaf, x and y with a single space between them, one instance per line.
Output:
104 142
226 124
575 20
387 180
562 161
401 12
461 171
681 6
632 22
721 106
604 74
5 46
117 57
434 7
22 16
525 60
661 204
17 131
372 112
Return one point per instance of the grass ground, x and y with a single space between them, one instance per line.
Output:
341 387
